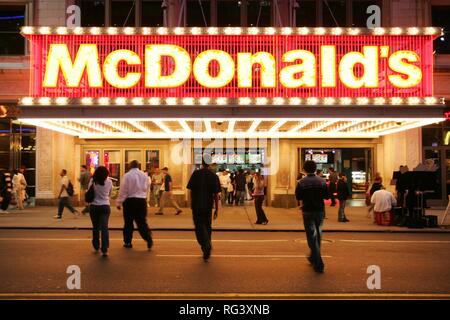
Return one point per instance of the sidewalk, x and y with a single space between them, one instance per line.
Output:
230 218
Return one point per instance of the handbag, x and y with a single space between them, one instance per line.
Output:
89 196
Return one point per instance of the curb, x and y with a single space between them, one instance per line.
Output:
436 231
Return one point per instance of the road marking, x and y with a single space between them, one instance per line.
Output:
156 239
396 241
231 295
236 256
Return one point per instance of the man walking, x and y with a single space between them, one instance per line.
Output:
133 197
84 184
64 195
167 194
205 188
312 190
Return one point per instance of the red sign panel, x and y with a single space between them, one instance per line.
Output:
231 65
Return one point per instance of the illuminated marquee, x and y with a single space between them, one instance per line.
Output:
109 64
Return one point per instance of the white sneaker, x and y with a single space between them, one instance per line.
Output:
3 211
57 217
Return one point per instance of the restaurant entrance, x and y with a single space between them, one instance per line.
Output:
355 163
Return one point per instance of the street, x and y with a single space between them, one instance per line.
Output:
33 264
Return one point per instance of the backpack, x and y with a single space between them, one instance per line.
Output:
69 189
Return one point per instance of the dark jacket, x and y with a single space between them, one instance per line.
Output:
311 190
342 190
240 182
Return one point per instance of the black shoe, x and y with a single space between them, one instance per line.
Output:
206 253
158 213
149 245
318 269
257 222
178 212
128 245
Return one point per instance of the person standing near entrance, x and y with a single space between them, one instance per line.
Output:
258 195
6 188
343 193
99 209
133 197
157 181
225 182
333 179
64 195
167 194
84 178
240 183
311 191
19 187
205 189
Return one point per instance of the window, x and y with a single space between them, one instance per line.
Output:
259 13
229 13
11 19
152 13
123 13
440 18
334 13
305 15
198 13
92 13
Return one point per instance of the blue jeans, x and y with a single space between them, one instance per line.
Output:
313 227
65 202
100 217
341 213
240 195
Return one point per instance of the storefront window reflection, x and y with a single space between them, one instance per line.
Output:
111 160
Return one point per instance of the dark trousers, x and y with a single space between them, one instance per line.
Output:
65 202
6 200
313 227
260 215
100 217
203 229
331 191
135 210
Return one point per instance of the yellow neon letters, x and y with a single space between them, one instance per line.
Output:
170 66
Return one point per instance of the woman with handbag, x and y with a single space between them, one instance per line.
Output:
98 194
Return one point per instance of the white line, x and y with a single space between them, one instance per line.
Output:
397 241
120 239
234 256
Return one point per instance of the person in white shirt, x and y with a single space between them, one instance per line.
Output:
225 182
99 209
19 187
383 201
133 197
64 198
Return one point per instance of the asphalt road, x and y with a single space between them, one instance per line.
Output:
33 264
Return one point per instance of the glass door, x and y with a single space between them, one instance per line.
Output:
131 155
111 160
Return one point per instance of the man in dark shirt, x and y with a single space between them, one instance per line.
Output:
240 187
312 190
205 188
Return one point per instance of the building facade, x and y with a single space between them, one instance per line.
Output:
257 138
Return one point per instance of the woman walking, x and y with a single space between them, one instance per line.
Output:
100 209
258 195
343 194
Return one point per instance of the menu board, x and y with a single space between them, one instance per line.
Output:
236 158
317 157
219 158
254 158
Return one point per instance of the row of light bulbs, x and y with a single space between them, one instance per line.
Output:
28 30
154 101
